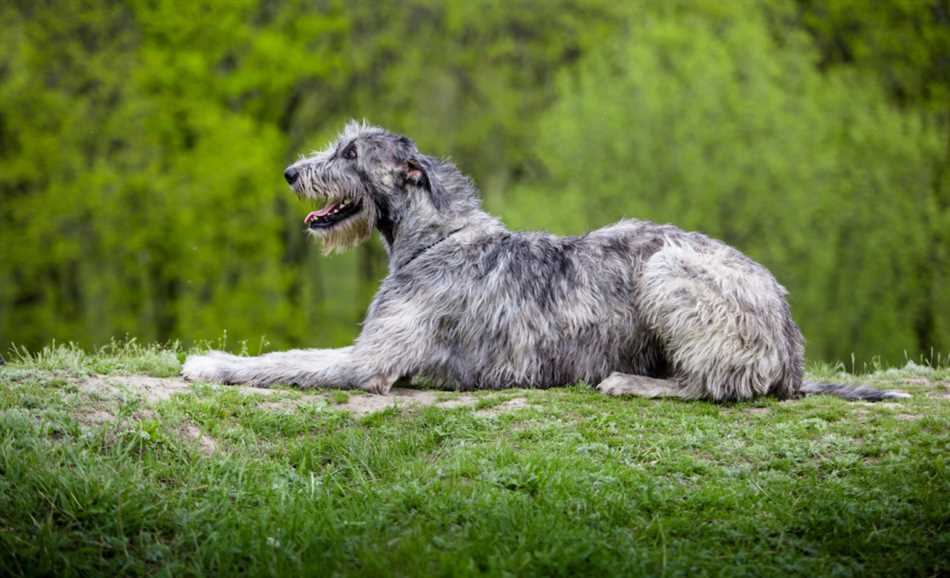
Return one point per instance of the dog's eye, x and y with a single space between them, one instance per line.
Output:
349 152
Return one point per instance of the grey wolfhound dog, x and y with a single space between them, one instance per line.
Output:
638 308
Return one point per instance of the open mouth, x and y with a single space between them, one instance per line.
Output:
333 213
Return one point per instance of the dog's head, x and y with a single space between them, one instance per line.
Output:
368 178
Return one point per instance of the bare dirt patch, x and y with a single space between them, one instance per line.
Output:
206 443
510 405
758 410
95 417
359 403
400 397
461 401
284 405
152 389
157 389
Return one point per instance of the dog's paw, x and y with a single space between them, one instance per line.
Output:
379 384
613 385
209 368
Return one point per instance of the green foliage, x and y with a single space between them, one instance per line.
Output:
711 124
903 43
142 143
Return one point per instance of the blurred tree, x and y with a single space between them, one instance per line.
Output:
139 187
701 118
142 143
904 45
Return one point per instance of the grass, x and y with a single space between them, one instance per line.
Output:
216 481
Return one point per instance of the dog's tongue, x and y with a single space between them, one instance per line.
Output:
321 213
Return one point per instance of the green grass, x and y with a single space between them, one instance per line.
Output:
216 481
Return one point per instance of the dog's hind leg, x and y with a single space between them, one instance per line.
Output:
723 322
336 368
622 384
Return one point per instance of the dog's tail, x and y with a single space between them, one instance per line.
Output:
851 393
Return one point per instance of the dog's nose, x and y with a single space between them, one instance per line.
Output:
291 175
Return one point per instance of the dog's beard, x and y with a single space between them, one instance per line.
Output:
348 233
348 214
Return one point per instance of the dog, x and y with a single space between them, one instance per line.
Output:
638 308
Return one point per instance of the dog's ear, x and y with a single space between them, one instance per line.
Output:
416 174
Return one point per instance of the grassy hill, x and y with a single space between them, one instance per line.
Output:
111 465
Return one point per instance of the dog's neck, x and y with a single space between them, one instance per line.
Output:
409 240
426 214
406 258
405 241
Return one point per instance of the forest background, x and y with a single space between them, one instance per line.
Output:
142 145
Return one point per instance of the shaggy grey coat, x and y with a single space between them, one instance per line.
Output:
637 307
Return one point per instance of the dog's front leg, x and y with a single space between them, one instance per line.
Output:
336 368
